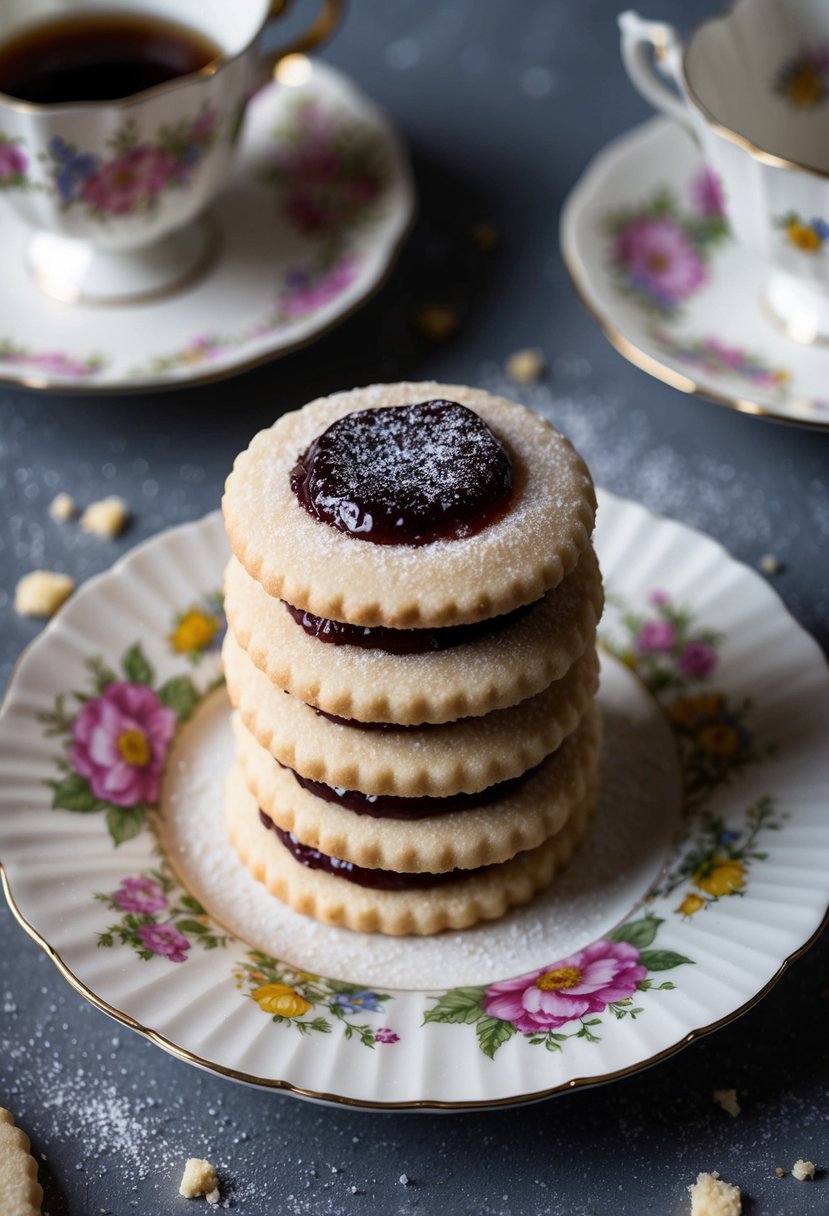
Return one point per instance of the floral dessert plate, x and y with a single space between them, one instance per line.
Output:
645 241
306 229
677 913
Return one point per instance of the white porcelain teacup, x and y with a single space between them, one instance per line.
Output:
113 190
754 90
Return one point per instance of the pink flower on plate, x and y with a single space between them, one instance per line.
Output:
660 258
656 635
386 1035
140 895
697 659
12 161
586 982
120 743
706 192
123 184
730 356
659 598
305 295
166 940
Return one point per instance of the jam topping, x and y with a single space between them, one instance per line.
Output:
406 474
393 806
380 880
400 641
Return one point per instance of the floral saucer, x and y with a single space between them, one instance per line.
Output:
616 967
303 233
645 241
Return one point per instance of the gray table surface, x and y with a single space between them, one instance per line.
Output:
503 105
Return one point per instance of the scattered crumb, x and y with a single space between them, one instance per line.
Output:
801 1170
526 366
710 1196
41 593
404 1180
199 1179
62 508
437 322
727 1099
770 564
779 1172
105 518
484 236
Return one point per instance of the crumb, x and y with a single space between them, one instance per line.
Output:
526 366
770 564
801 1170
484 236
199 1179
710 1196
727 1099
437 322
41 593
105 518
63 508
404 1180
779 1172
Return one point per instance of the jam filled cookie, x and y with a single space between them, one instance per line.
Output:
409 506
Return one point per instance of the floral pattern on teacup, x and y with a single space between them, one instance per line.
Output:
659 252
807 236
804 79
14 164
139 170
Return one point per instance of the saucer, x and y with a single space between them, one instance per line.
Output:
304 232
704 672
650 254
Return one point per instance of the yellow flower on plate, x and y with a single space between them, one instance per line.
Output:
720 740
194 631
803 237
691 711
805 87
721 876
279 998
690 905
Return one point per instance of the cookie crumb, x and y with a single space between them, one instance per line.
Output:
63 508
803 1170
727 1099
484 236
199 1179
105 518
770 564
526 366
780 1172
437 322
404 1180
710 1196
42 592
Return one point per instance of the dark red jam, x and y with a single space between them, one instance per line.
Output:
406 474
380 880
392 806
401 641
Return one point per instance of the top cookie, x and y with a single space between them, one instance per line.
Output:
511 561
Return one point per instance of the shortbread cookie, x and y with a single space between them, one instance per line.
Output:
512 561
462 756
491 832
491 672
455 904
20 1192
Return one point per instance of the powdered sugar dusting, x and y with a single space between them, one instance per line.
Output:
639 802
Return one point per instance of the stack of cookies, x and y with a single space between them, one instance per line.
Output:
412 604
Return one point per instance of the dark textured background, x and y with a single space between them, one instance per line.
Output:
503 104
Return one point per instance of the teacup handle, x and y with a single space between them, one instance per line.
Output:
638 38
323 26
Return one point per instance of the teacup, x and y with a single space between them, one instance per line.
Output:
115 190
754 90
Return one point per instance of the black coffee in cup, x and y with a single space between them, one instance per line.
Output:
99 56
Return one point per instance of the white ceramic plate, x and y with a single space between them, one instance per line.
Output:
622 963
644 239
305 231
